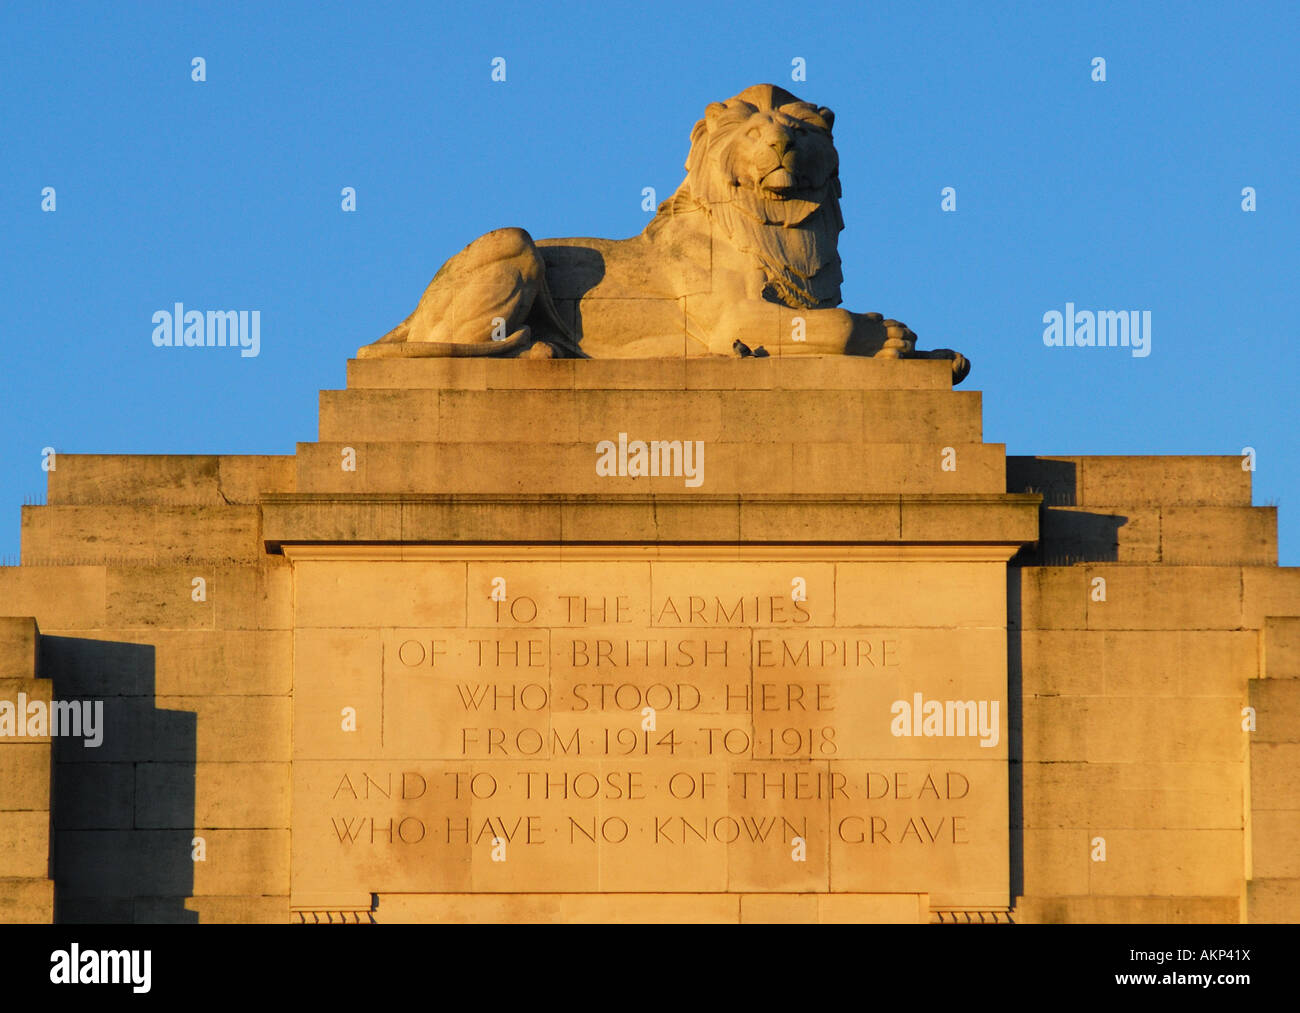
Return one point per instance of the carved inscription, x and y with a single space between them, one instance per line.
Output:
662 738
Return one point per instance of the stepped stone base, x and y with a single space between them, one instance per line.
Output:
1127 614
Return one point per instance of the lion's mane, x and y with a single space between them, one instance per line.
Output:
794 241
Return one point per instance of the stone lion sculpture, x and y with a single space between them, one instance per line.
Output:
741 260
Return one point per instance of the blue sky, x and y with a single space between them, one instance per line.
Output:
226 194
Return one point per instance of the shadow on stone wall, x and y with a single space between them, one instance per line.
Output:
1066 534
571 272
1057 481
1015 738
122 813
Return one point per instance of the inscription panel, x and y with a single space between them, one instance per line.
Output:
651 725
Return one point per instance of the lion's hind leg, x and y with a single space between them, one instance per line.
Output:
476 304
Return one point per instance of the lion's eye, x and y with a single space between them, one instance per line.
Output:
752 133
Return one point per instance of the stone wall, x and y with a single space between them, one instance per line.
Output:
1125 714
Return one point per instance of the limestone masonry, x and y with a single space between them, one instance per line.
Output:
442 664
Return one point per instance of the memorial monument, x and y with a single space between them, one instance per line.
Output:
635 581
745 251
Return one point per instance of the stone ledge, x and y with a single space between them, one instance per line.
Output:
781 467
396 415
168 479
700 520
669 908
1103 481
837 372
140 533
1042 910
1183 535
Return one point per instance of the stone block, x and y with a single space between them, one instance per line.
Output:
630 374
1217 663
1071 535
1145 729
1056 479
874 519
115 533
340 518
24 844
1051 598
1150 796
1165 598
245 478
374 415
872 909
248 910
674 519
162 597
1275 839
1157 863
974 518
1277 710
477 519
1280 650
1055 728
816 373
95 796
1055 862
158 863
1274 780
655 415
1268 591
26 901
93 910
173 479
88 666
1131 910
1163 481
778 909
1218 535
19 647
888 468
343 594
59 597
244 728
1273 901
893 594
622 909
227 795
24 773
1064 663
183 729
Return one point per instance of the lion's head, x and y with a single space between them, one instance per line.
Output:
764 166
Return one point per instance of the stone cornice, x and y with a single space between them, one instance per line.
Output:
959 519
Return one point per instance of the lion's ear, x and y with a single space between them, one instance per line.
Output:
828 116
712 112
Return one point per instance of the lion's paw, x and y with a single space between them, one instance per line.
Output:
900 341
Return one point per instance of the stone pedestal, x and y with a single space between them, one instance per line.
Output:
704 639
